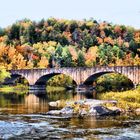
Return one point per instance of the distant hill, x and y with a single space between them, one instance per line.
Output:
68 43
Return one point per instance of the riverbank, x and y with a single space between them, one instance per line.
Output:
20 88
129 101
24 88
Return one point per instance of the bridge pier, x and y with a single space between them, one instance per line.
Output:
84 88
37 87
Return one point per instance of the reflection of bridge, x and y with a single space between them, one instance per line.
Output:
80 75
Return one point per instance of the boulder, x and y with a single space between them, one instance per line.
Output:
54 112
93 102
64 111
67 110
54 104
114 108
102 111
137 111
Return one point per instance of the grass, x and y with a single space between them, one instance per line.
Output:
127 100
55 89
20 89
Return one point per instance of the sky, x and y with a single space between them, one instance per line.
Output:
125 12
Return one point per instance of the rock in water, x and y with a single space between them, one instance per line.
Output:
88 107
102 111
67 110
54 104
54 112
93 102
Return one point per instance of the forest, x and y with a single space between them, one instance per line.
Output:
68 43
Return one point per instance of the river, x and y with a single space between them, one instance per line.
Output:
22 116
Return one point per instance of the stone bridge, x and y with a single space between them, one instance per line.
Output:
81 75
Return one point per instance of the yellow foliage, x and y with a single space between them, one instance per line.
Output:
137 60
18 62
90 24
3 49
30 64
26 24
43 63
11 52
50 28
52 43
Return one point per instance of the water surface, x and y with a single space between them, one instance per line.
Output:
22 117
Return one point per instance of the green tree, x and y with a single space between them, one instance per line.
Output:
80 59
2 32
14 32
31 34
58 55
66 58
133 47
3 74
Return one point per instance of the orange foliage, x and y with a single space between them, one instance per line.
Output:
73 53
102 25
67 35
2 39
117 29
91 55
128 60
109 40
137 37
35 57
100 40
120 41
3 50
11 52
26 24
25 50
102 34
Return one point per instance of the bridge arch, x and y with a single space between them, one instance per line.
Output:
44 78
94 76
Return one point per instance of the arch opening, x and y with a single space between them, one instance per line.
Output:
92 78
56 79
16 79
109 81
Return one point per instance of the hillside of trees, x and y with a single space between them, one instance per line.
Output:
68 43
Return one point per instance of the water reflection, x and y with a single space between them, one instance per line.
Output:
36 102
